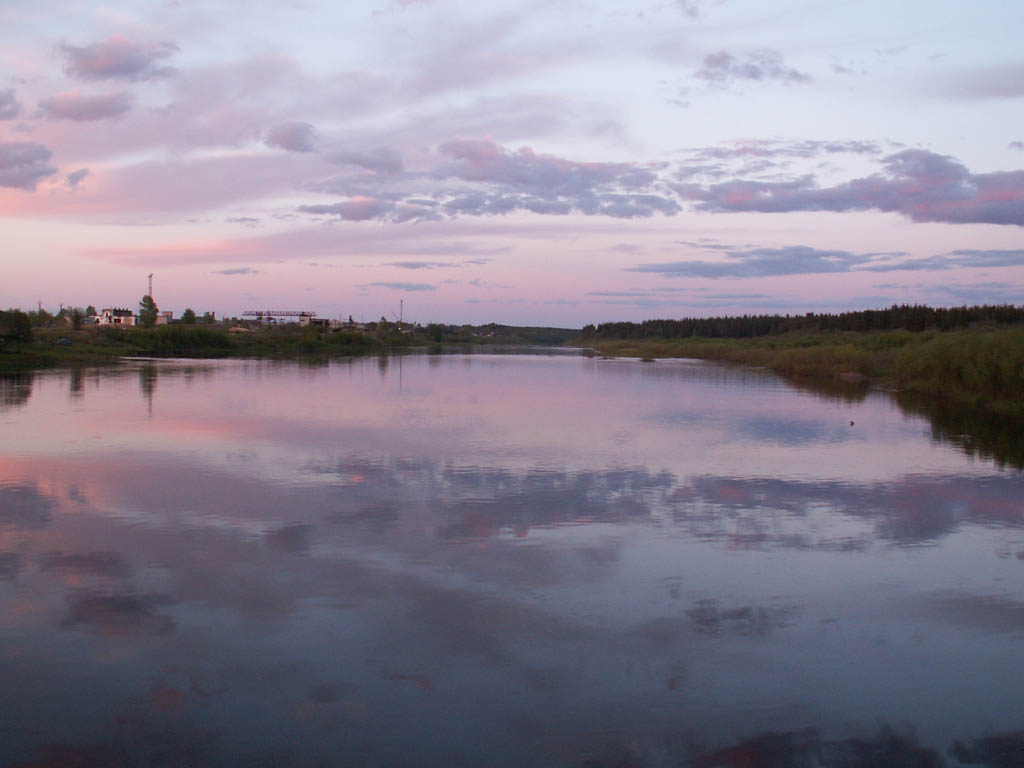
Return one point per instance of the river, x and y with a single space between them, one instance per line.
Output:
490 560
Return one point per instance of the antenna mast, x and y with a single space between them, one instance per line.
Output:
150 294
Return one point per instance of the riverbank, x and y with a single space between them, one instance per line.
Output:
94 346
55 347
981 368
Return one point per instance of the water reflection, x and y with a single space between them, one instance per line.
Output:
497 561
116 614
76 383
147 383
839 390
979 434
10 564
1002 750
15 389
889 748
23 506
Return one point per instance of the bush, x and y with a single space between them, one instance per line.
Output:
15 325
181 341
975 367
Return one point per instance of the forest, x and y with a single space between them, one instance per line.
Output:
903 317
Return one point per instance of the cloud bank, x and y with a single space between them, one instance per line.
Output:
921 185
117 59
378 160
293 137
804 260
723 69
477 177
76 177
10 108
761 262
73 105
480 177
24 164
409 287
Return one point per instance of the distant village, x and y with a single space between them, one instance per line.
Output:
122 317
16 326
118 316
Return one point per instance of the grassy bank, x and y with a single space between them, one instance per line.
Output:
97 346
24 348
980 368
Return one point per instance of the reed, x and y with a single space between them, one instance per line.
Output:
979 367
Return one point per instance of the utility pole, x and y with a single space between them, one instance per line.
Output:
401 312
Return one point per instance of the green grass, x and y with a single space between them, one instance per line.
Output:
97 346
981 368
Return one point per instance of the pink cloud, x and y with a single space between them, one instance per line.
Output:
921 185
216 106
117 58
168 189
294 137
9 106
378 159
499 181
75 106
722 69
358 209
24 164
483 160
429 239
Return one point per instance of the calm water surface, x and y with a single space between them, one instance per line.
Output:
489 561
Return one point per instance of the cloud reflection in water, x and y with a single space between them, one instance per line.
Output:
503 559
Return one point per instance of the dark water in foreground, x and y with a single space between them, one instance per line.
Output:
494 561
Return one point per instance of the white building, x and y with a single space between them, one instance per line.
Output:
115 316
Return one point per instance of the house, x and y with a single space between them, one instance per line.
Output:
347 325
163 318
115 316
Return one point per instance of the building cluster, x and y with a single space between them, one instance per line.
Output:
308 319
121 317
125 318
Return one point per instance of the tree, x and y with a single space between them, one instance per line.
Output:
40 318
147 312
209 318
189 316
90 311
15 325
77 316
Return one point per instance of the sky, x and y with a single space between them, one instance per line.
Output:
531 163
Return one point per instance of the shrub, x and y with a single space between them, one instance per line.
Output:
15 325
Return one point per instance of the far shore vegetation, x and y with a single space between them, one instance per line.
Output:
962 368
30 340
971 356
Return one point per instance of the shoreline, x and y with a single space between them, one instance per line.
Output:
981 431
981 369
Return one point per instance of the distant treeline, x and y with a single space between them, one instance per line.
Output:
909 317
494 333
